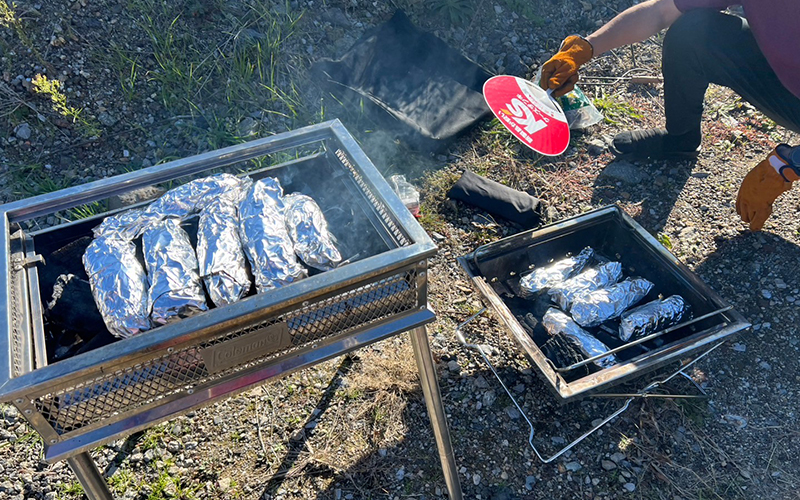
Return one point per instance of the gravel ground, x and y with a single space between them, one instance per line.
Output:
356 427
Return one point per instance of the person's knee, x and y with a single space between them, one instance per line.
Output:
690 33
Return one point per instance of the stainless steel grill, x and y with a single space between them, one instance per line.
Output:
91 398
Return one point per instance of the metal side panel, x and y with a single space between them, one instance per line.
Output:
196 397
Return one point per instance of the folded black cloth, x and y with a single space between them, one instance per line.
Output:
498 199
422 90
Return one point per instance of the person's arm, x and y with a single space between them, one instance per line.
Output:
634 24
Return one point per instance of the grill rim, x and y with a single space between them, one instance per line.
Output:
631 369
234 316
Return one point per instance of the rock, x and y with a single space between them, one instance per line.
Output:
529 482
617 457
596 147
134 197
735 420
573 466
453 366
512 413
739 347
624 171
400 474
765 365
608 465
106 119
766 294
224 484
476 479
23 131
629 487
247 127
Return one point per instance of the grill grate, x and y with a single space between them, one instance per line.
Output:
133 388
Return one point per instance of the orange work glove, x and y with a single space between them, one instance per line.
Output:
768 180
560 72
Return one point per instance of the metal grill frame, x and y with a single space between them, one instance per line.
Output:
28 388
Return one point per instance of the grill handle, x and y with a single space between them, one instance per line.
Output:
644 393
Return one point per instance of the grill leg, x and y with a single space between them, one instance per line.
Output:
433 400
94 486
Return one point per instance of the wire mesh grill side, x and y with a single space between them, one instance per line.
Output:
401 238
134 388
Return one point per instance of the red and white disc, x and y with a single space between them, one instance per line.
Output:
529 113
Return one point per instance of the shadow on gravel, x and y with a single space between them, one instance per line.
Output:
652 186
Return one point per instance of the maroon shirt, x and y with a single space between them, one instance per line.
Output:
775 26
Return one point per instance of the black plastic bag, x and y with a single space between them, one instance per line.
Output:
424 91
498 199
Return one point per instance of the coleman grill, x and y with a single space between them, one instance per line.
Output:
79 399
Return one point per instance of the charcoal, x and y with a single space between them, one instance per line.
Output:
72 308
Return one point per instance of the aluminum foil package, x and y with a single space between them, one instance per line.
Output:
565 293
127 225
175 289
591 309
651 317
555 321
547 277
220 255
192 197
266 241
119 285
307 227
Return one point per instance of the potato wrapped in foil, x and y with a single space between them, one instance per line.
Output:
651 317
220 253
589 280
262 228
592 308
547 277
175 288
307 227
555 321
127 225
119 285
192 197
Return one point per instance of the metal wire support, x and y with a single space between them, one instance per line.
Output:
644 393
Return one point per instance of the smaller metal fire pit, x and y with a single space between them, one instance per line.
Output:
495 270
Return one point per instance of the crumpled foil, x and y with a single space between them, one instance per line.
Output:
175 288
127 225
220 254
555 321
119 285
547 277
266 241
651 317
192 197
589 280
591 309
307 227
180 202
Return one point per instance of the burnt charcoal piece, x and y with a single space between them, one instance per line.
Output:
559 349
65 260
72 309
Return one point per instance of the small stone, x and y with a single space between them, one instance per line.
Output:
400 474
476 479
174 447
745 474
106 119
558 440
573 466
512 413
765 365
739 347
624 171
224 484
247 127
608 465
766 294
736 421
529 482
126 153
629 487
453 366
23 131
596 147
617 457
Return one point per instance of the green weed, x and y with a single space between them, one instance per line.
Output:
456 12
665 240
51 89
525 8
122 480
615 111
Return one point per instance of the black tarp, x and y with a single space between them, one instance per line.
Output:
422 90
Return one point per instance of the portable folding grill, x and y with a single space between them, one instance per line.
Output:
495 270
91 398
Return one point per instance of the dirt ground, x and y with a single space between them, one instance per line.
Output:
94 88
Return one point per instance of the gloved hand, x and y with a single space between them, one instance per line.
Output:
560 72
768 180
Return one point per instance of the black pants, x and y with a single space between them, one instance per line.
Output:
706 46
